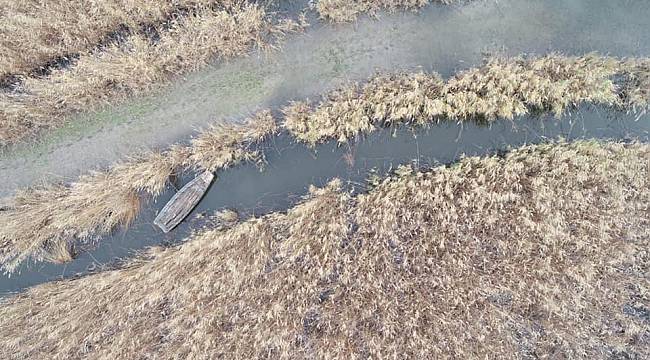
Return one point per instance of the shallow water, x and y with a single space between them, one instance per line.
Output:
441 38
290 168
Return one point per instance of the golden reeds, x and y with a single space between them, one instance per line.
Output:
137 65
33 33
502 88
349 10
46 223
540 253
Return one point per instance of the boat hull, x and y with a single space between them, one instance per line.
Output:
183 202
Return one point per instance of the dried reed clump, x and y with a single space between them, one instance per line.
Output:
224 145
636 90
137 65
508 88
349 10
541 253
502 88
346 112
33 33
45 223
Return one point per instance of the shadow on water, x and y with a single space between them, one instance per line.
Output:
290 168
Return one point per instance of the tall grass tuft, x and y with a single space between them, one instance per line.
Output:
541 252
636 88
502 88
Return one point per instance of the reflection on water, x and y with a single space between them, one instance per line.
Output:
290 168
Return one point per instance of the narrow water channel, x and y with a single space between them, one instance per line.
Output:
290 168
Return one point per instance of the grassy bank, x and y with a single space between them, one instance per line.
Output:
350 10
540 252
59 216
45 223
136 65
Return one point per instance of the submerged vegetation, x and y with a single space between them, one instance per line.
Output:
502 88
540 252
44 223
58 216
349 10
137 64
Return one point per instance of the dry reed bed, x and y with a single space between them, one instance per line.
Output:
502 88
33 33
45 223
59 216
540 253
137 65
349 10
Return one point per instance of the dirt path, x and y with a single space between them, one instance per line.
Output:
440 38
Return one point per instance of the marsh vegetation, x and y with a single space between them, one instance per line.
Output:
524 251
73 28
61 215
502 88
539 251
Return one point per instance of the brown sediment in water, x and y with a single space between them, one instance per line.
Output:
138 65
541 251
502 88
349 10
45 223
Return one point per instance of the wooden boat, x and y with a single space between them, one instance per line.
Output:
183 202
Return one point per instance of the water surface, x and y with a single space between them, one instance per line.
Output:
290 168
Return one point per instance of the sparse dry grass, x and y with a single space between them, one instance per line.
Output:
46 223
541 253
502 88
137 65
33 33
349 10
